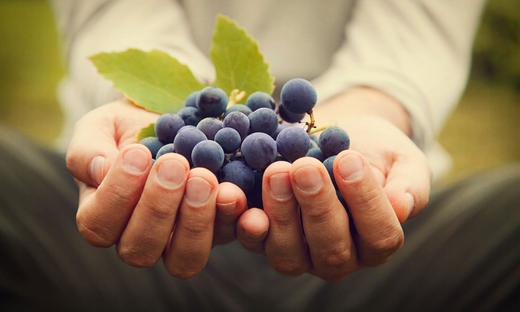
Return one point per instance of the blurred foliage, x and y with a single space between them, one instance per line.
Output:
497 45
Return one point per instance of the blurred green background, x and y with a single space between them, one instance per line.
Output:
483 132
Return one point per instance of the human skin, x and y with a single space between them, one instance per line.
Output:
384 178
120 196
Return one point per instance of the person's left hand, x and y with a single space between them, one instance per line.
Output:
384 178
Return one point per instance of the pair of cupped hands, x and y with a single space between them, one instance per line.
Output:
179 214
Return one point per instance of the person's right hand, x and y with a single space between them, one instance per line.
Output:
148 212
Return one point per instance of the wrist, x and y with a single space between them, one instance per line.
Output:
364 101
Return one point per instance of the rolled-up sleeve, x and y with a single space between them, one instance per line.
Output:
418 51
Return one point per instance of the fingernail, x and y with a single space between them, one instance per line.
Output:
351 168
411 203
197 191
96 169
280 185
227 209
308 179
171 173
135 160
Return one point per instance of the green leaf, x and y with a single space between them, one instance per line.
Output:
153 80
237 60
145 132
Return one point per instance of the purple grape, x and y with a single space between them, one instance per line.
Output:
191 99
229 139
210 126
167 148
186 139
328 163
166 127
288 116
316 153
153 144
298 96
333 140
238 173
190 115
258 150
263 120
254 196
212 102
293 143
260 99
238 108
280 127
208 154
239 122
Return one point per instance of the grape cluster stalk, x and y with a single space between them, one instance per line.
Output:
238 141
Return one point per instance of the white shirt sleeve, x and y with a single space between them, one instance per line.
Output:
90 27
417 51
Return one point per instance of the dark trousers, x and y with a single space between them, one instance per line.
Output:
461 254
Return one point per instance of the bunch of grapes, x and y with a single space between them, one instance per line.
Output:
238 141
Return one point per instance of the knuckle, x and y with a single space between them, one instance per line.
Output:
161 211
321 215
184 273
134 258
336 259
281 219
196 229
93 233
289 267
382 250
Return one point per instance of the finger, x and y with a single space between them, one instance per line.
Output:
231 203
252 228
324 219
89 163
106 130
408 185
378 231
285 246
190 245
145 237
103 214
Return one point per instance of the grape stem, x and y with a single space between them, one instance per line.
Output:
235 97
311 123
318 129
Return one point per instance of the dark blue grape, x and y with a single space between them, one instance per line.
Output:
263 120
280 127
328 163
166 127
167 148
293 143
239 122
208 154
229 139
186 139
210 126
191 99
190 115
212 102
153 144
238 108
258 150
333 140
288 116
316 153
260 99
238 173
254 197
298 95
